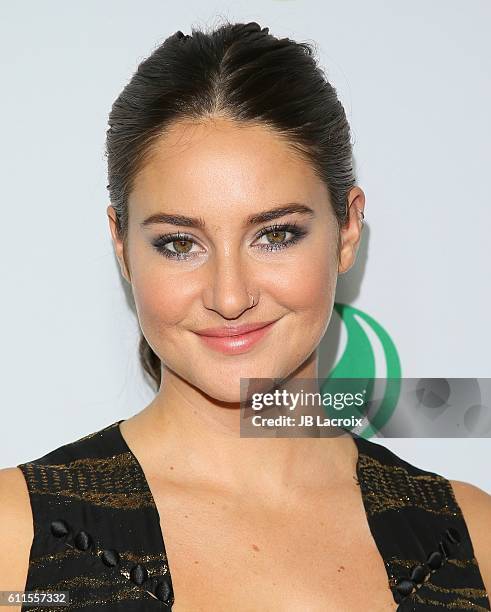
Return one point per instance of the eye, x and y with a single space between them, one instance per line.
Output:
276 236
181 245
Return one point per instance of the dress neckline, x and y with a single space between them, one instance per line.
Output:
362 447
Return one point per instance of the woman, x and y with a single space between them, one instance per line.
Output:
233 203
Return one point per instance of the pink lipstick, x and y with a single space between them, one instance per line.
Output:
233 340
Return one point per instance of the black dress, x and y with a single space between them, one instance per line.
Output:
97 532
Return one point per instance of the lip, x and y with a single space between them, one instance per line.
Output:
237 343
232 330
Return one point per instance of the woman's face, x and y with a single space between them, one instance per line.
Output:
223 174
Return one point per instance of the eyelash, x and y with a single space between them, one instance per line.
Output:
298 233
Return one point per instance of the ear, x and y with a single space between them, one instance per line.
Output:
117 242
350 233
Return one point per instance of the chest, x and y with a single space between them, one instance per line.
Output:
245 555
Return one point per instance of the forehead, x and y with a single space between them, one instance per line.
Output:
220 163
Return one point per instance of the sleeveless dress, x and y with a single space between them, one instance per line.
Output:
97 532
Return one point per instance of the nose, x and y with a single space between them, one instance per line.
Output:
228 288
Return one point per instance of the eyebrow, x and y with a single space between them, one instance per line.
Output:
254 219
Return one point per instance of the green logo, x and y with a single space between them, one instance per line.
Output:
358 361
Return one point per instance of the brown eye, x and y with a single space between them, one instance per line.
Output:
180 246
278 237
176 246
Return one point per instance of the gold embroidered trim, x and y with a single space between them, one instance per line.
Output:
410 563
71 551
109 500
464 591
115 482
458 604
389 487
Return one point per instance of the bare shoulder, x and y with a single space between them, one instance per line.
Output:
16 529
476 508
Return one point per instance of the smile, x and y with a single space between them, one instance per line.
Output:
233 345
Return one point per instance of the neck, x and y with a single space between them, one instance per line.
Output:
196 441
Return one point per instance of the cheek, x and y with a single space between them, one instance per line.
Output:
161 300
160 296
312 290
308 285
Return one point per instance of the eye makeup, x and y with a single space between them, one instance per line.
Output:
160 243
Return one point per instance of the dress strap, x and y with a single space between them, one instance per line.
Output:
96 527
420 532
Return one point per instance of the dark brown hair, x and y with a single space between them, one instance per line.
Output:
242 72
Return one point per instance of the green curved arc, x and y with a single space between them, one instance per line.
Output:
358 361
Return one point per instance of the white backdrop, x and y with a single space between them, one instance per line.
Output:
414 78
